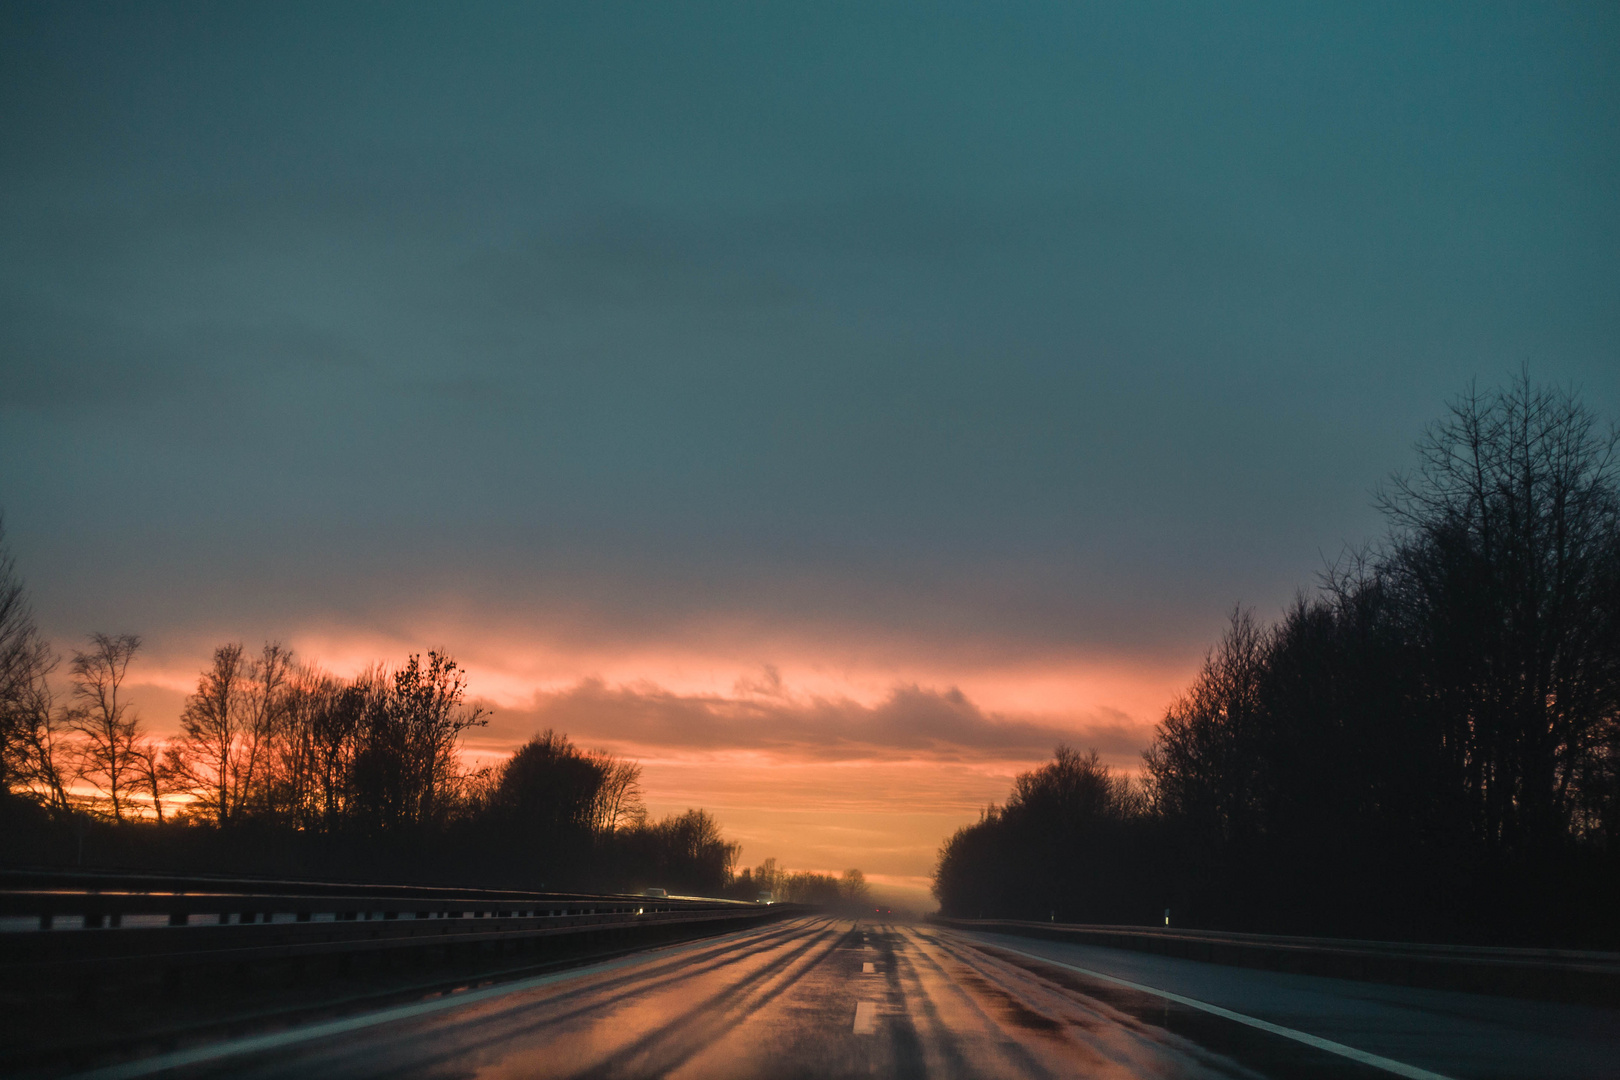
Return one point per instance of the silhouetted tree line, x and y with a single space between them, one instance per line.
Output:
1428 746
847 891
282 768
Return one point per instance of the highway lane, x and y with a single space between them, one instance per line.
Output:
1465 1035
819 997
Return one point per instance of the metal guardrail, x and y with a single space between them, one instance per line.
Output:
21 888
97 966
100 925
1549 974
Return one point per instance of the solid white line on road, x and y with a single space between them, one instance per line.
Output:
868 969
1399 1068
277 1040
866 1018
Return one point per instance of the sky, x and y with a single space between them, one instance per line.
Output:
833 407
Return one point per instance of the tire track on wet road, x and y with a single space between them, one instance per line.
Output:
823 999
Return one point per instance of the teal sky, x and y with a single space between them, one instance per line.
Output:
1004 329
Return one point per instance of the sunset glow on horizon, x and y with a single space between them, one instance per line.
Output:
828 776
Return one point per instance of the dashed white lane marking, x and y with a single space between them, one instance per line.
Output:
1390 1065
868 969
866 1018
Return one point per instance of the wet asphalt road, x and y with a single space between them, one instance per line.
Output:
829 998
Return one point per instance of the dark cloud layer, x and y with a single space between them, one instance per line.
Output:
1049 328
911 723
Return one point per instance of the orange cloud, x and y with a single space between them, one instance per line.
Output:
764 719
825 752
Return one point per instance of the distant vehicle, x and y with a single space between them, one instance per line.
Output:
658 893
765 897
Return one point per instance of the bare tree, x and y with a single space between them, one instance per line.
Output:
153 773
291 785
108 727
330 718
41 757
1507 555
404 771
1204 763
768 878
618 800
263 709
25 661
852 887
209 759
